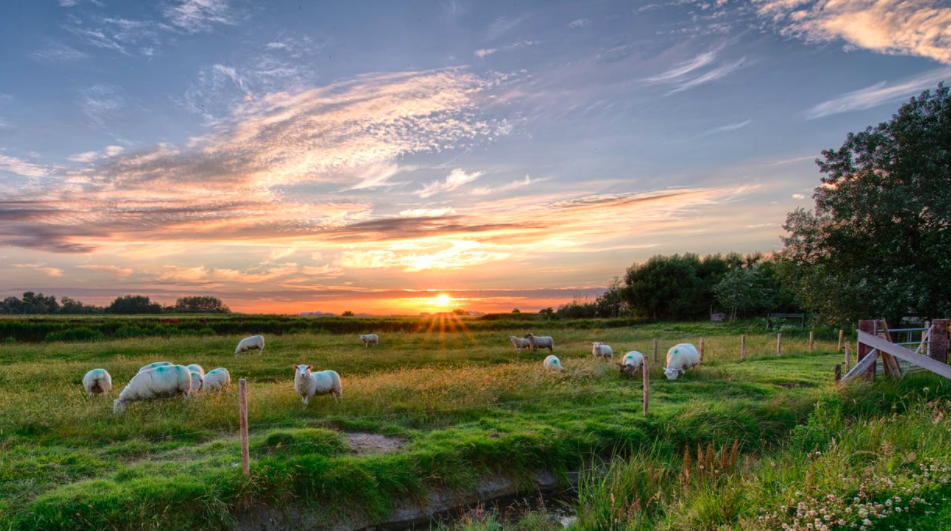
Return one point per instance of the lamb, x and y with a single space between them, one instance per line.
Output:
194 367
216 379
681 357
631 363
552 363
97 381
370 338
540 342
169 380
520 343
600 350
307 384
196 380
154 365
249 343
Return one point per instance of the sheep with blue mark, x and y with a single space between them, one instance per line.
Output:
680 358
160 382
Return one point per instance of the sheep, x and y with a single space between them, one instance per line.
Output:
196 380
540 342
194 367
370 338
600 350
154 365
681 357
97 381
520 343
168 380
552 363
631 362
308 384
249 343
216 379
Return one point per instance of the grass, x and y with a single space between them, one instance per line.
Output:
462 402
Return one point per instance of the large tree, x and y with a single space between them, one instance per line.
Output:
878 242
200 304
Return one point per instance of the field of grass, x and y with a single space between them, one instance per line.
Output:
461 403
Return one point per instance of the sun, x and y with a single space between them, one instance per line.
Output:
443 299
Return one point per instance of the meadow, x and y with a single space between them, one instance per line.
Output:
449 405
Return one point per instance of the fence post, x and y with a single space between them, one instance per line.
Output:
838 372
645 369
938 347
779 344
811 340
841 335
701 349
848 356
243 421
655 350
861 350
743 347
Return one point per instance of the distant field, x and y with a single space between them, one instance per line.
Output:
459 403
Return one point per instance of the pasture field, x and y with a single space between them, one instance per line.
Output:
458 403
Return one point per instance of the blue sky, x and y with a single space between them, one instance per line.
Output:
294 156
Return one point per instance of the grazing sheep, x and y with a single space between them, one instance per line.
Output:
196 381
600 350
308 384
154 383
681 357
194 367
370 338
552 363
151 366
216 379
540 342
249 343
97 381
631 363
520 343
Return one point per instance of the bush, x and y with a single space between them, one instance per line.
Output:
76 334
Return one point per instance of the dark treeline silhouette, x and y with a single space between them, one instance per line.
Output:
39 304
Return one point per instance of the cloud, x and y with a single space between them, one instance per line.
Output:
101 104
798 196
579 23
59 53
42 268
514 185
717 73
454 255
686 75
21 167
376 176
878 94
194 16
501 26
920 28
456 178
680 70
482 53
126 36
427 212
90 156
117 271
729 127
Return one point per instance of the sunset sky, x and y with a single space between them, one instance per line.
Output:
318 156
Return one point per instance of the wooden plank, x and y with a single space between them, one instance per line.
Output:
901 352
892 370
861 366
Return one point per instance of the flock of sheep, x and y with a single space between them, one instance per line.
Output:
164 379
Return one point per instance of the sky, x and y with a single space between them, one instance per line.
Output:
366 156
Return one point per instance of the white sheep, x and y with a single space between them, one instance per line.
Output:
196 381
249 343
631 363
552 363
370 338
194 367
308 384
681 357
216 379
520 343
600 350
151 366
540 342
97 381
168 380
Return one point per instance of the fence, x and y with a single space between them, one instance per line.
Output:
876 341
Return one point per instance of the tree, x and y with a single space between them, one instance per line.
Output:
666 287
347 313
548 313
876 243
516 310
611 303
742 289
134 304
200 304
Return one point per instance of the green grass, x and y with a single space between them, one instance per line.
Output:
461 401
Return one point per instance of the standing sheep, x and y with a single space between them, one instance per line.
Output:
540 342
194 367
97 381
169 380
631 363
520 343
552 363
600 350
681 357
308 384
249 343
370 338
196 381
151 366
216 379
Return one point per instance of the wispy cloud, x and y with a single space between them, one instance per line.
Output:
719 72
375 176
101 103
59 53
878 94
42 268
120 272
485 52
21 167
729 127
514 185
687 74
456 178
501 26
579 23
680 70
428 212
194 16
921 28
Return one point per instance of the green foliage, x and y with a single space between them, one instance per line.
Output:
75 334
200 304
743 289
133 304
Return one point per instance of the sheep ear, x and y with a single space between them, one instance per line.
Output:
309 367
295 367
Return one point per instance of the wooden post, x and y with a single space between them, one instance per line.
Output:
838 372
861 350
779 344
655 350
938 347
645 369
848 356
701 349
743 347
841 336
243 422
812 339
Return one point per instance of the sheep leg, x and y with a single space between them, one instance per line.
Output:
336 397
305 400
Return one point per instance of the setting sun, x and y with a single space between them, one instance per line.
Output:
443 299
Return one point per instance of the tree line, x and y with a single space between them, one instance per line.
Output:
39 304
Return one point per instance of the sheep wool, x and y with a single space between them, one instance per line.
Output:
216 379
309 384
540 342
194 367
520 343
681 357
97 381
160 382
600 350
249 343
154 365
631 363
370 338
552 363
196 381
